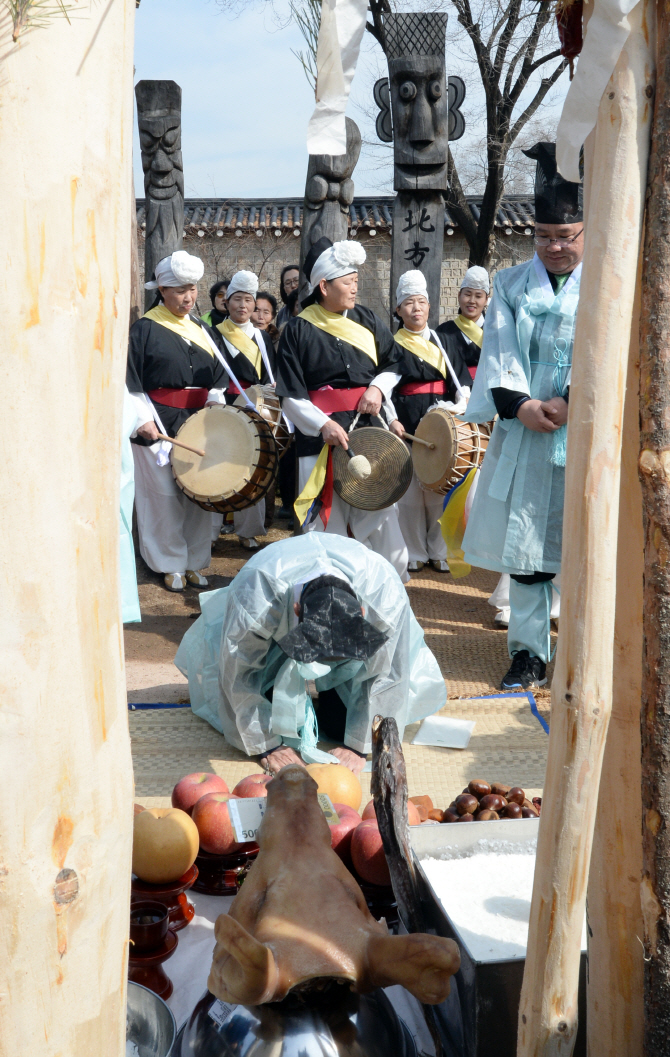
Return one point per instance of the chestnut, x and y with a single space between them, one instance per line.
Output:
466 804
479 788
513 810
529 812
452 807
450 816
498 787
517 795
466 818
492 802
537 804
486 816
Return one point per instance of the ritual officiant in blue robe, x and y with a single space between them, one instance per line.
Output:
317 607
516 521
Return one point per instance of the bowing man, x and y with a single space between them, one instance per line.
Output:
337 360
319 607
251 354
516 520
172 373
429 376
464 335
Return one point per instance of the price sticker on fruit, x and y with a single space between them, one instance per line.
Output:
247 814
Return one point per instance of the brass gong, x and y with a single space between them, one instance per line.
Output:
390 462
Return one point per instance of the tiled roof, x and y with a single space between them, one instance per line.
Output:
218 216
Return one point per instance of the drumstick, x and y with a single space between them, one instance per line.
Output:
180 444
418 440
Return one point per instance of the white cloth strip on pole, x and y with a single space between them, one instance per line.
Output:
228 370
340 34
459 388
264 354
606 33
164 448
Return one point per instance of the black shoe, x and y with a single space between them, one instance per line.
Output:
525 671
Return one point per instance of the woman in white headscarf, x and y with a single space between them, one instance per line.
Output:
172 373
428 377
464 334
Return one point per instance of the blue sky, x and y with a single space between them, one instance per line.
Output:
246 101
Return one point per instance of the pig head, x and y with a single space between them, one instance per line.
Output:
301 917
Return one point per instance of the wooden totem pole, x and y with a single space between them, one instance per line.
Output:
66 791
415 45
159 122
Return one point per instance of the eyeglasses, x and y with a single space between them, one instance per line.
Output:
563 243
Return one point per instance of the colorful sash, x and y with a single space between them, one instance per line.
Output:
422 349
340 327
184 326
243 343
470 329
316 498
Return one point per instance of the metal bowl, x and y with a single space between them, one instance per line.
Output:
340 1025
149 1022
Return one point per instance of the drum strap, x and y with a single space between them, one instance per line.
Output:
452 372
229 372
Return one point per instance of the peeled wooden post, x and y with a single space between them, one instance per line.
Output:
654 467
66 789
616 163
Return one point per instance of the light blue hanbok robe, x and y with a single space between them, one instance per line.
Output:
516 521
231 656
130 603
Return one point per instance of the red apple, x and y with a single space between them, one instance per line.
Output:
367 854
214 824
341 832
188 790
413 815
252 785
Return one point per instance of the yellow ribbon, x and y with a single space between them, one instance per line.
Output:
314 486
452 524
242 343
425 350
181 325
470 329
341 327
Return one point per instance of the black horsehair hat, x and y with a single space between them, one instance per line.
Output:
557 201
331 624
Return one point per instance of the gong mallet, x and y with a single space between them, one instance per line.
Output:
418 440
359 465
180 444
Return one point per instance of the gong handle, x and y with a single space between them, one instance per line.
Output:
418 440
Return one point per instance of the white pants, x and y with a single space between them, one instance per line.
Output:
376 529
251 522
175 534
419 513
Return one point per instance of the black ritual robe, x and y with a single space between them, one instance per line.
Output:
160 359
454 340
411 409
308 358
242 367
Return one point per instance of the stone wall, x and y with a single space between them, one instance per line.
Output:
267 254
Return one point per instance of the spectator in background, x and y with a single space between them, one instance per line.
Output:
292 308
289 281
264 314
219 309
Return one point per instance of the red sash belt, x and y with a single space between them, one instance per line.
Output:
414 388
331 400
234 391
180 397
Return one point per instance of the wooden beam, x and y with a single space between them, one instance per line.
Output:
616 165
66 789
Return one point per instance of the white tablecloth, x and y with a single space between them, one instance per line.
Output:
189 966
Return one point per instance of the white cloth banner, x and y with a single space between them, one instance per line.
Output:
606 34
340 34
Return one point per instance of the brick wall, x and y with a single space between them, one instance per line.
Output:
267 255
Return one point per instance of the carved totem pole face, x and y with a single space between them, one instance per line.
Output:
415 46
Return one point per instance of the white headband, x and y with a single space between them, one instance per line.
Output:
341 258
411 284
179 269
476 278
242 282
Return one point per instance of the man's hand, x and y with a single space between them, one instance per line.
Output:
334 435
556 409
148 431
281 757
539 415
397 428
349 759
371 401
